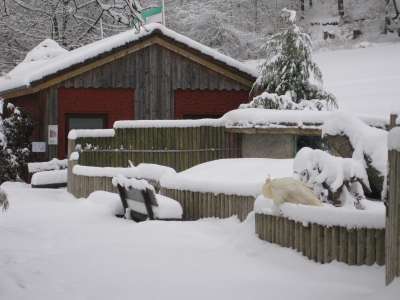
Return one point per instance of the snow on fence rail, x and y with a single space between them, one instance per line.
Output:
393 205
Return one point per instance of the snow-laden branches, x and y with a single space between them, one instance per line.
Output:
289 76
69 22
335 180
15 131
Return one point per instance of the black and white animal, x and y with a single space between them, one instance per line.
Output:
3 200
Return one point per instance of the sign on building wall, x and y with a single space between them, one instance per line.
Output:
38 147
53 135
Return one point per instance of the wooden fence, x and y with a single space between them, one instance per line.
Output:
179 148
324 244
198 205
393 215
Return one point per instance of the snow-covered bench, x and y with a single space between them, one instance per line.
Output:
141 202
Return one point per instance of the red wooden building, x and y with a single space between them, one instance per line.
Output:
154 74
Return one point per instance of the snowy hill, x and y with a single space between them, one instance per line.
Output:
364 80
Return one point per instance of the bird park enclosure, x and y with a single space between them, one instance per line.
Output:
179 144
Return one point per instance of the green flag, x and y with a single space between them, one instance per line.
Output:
153 14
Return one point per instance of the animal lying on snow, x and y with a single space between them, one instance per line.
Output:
290 190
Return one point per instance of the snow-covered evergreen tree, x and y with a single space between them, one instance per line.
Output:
289 77
15 131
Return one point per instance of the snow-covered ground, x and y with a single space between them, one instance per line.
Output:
54 246
365 80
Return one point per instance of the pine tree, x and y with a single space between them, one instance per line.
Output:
289 77
15 132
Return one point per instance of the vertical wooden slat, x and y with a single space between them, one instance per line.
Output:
361 246
371 247
328 244
352 247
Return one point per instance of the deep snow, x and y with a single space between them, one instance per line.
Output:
56 247
235 176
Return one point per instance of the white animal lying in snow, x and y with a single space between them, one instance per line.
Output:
289 190
3 200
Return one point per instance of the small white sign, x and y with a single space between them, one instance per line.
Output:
38 147
53 135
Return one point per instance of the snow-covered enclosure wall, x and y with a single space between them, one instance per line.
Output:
179 144
326 243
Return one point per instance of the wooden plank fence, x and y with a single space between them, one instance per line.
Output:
197 205
179 148
393 215
322 244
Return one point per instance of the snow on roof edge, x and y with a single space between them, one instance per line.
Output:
92 50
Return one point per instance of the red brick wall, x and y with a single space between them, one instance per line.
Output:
207 103
116 103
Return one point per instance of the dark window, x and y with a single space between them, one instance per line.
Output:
84 121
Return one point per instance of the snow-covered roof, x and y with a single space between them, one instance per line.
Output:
50 58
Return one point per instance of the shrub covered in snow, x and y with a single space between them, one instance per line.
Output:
289 77
15 131
336 180
348 136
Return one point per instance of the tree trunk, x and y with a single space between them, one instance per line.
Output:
341 8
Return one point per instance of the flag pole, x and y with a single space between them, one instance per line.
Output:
101 29
163 13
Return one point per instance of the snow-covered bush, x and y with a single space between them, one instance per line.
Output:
348 136
336 180
15 131
289 77
287 101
